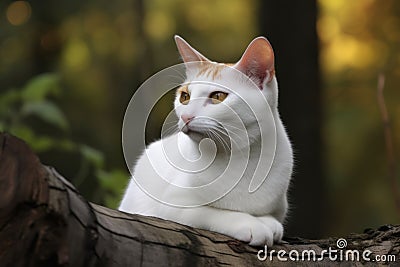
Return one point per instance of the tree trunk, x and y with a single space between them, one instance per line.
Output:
44 221
291 28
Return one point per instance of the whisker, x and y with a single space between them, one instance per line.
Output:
210 134
221 140
220 129
233 141
225 132
230 132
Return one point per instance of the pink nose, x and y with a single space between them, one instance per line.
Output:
186 118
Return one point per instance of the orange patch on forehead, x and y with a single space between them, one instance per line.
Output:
210 69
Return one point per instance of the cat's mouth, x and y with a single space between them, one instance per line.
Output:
194 135
193 131
187 129
197 131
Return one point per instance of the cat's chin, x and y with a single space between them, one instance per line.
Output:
195 136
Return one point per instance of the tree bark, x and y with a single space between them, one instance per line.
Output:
44 221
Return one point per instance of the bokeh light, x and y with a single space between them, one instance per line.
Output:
18 12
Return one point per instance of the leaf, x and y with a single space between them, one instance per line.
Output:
42 143
47 111
37 143
113 183
7 102
40 87
8 98
92 155
23 132
67 145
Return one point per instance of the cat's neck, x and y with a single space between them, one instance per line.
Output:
194 147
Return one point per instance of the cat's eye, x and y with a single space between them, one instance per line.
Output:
185 97
218 97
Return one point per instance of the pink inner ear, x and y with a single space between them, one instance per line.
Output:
188 53
257 61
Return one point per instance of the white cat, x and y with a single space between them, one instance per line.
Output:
236 184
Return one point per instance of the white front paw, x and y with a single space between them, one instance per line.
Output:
274 226
255 231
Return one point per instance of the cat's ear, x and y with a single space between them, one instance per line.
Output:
257 61
188 53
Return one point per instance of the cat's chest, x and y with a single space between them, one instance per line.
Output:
226 179
187 164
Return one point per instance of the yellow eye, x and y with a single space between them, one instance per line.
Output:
184 99
218 97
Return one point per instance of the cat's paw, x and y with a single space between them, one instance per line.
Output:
256 231
274 226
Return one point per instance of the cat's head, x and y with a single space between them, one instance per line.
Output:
217 98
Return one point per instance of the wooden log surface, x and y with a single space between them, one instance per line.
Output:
44 221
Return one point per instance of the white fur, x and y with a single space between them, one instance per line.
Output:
255 217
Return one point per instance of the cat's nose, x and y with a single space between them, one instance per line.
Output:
186 118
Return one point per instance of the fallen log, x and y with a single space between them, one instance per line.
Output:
44 221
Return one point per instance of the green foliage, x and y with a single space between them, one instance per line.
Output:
47 111
93 156
19 106
40 87
113 184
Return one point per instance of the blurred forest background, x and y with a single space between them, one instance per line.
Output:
69 68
